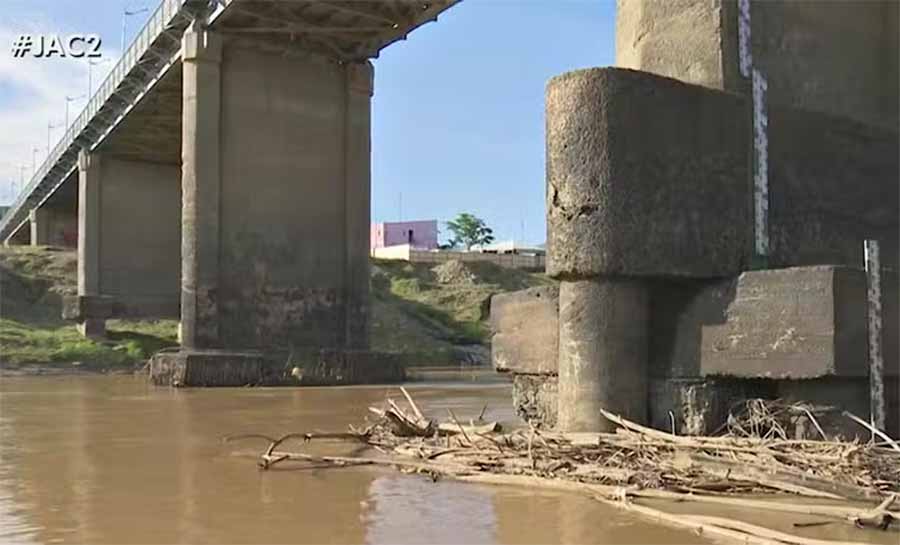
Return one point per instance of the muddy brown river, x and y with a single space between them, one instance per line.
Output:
114 460
99 459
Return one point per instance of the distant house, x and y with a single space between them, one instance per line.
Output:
420 235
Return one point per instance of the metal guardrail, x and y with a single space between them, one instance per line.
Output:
147 58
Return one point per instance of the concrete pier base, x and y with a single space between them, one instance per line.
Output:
204 368
602 352
92 328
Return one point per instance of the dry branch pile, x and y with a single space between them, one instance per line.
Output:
636 462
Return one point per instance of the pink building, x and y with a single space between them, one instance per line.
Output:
418 234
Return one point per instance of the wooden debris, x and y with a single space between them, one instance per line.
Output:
454 428
636 463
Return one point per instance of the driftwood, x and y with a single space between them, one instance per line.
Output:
634 464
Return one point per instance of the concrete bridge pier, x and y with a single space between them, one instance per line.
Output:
53 224
39 218
275 215
128 241
603 352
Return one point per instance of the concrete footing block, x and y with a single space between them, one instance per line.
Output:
210 368
92 328
81 307
526 327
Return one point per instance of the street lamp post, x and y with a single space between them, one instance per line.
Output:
91 64
50 127
69 100
34 152
126 13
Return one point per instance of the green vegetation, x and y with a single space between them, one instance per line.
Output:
429 312
32 284
128 344
469 230
433 314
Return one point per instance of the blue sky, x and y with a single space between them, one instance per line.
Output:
457 114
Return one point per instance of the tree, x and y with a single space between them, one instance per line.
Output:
469 230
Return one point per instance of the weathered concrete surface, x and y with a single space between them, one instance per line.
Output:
276 198
310 368
129 235
84 307
140 236
832 184
725 329
679 310
535 398
603 328
39 219
845 394
838 57
526 330
200 187
701 406
675 38
636 162
795 323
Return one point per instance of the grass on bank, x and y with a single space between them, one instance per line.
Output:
428 312
33 282
433 315
128 343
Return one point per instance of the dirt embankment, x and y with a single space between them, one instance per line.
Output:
34 339
434 315
437 315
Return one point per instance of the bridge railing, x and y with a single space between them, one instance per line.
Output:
64 154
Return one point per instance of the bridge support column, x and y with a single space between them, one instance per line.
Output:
128 241
276 197
603 347
39 218
89 180
200 188
53 225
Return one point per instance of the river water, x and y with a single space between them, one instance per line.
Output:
110 459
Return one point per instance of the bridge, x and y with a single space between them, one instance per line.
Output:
221 173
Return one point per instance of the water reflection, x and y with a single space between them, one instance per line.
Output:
409 510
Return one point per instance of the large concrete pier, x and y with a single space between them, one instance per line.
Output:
653 219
